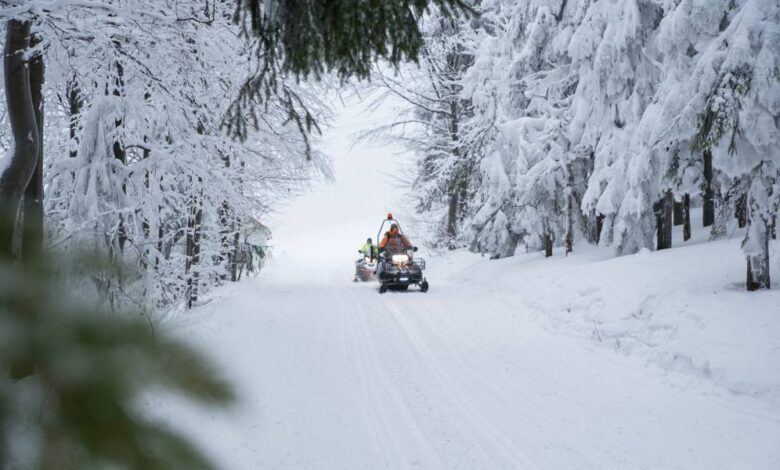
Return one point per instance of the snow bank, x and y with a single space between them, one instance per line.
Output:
679 311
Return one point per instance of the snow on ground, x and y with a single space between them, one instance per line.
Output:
683 310
651 361
585 362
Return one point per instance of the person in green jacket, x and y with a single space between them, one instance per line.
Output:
369 250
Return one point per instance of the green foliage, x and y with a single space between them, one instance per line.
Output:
82 371
344 36
302 38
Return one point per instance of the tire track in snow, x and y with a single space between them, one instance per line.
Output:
433 395
373 408
501 443
472 358
374 418
378 390
526 407
354 355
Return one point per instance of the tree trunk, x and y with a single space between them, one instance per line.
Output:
740 210
457 186
227 250
146 225
21 115
708 208
599 227
32 218
236 261
757 273
758 264
569 242
452 216
664 209
548 244
678 213
119 149
160 238
75 103
756 242
591 228
194 221
686 207
23 162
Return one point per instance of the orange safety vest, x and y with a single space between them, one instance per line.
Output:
395 244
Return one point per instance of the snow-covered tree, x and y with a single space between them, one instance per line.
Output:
683 35
430 124
144 171
521 86
736 99
592 117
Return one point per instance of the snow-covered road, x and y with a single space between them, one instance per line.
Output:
333 375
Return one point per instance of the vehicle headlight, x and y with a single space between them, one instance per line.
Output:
400 259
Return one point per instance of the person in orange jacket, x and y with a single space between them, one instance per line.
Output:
394 241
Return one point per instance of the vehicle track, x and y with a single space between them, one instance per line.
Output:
378 390
513 456
451 435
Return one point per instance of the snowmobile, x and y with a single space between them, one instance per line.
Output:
364 269
398 271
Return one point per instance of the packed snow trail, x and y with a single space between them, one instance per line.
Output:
333 375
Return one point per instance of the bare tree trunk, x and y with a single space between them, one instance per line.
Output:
708 208
758 264
664 209
758 234
75 103
591 227
569 242
227 251
757 273
678 213
146 225
548 245
236 261
119 149
452 216
740 210
160 237
548 242
458 185
599 227
196 254
23 163
32 218
21 115
194 221
686 208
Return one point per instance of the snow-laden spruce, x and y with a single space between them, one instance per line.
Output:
593 120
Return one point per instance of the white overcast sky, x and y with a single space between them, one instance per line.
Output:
363 191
